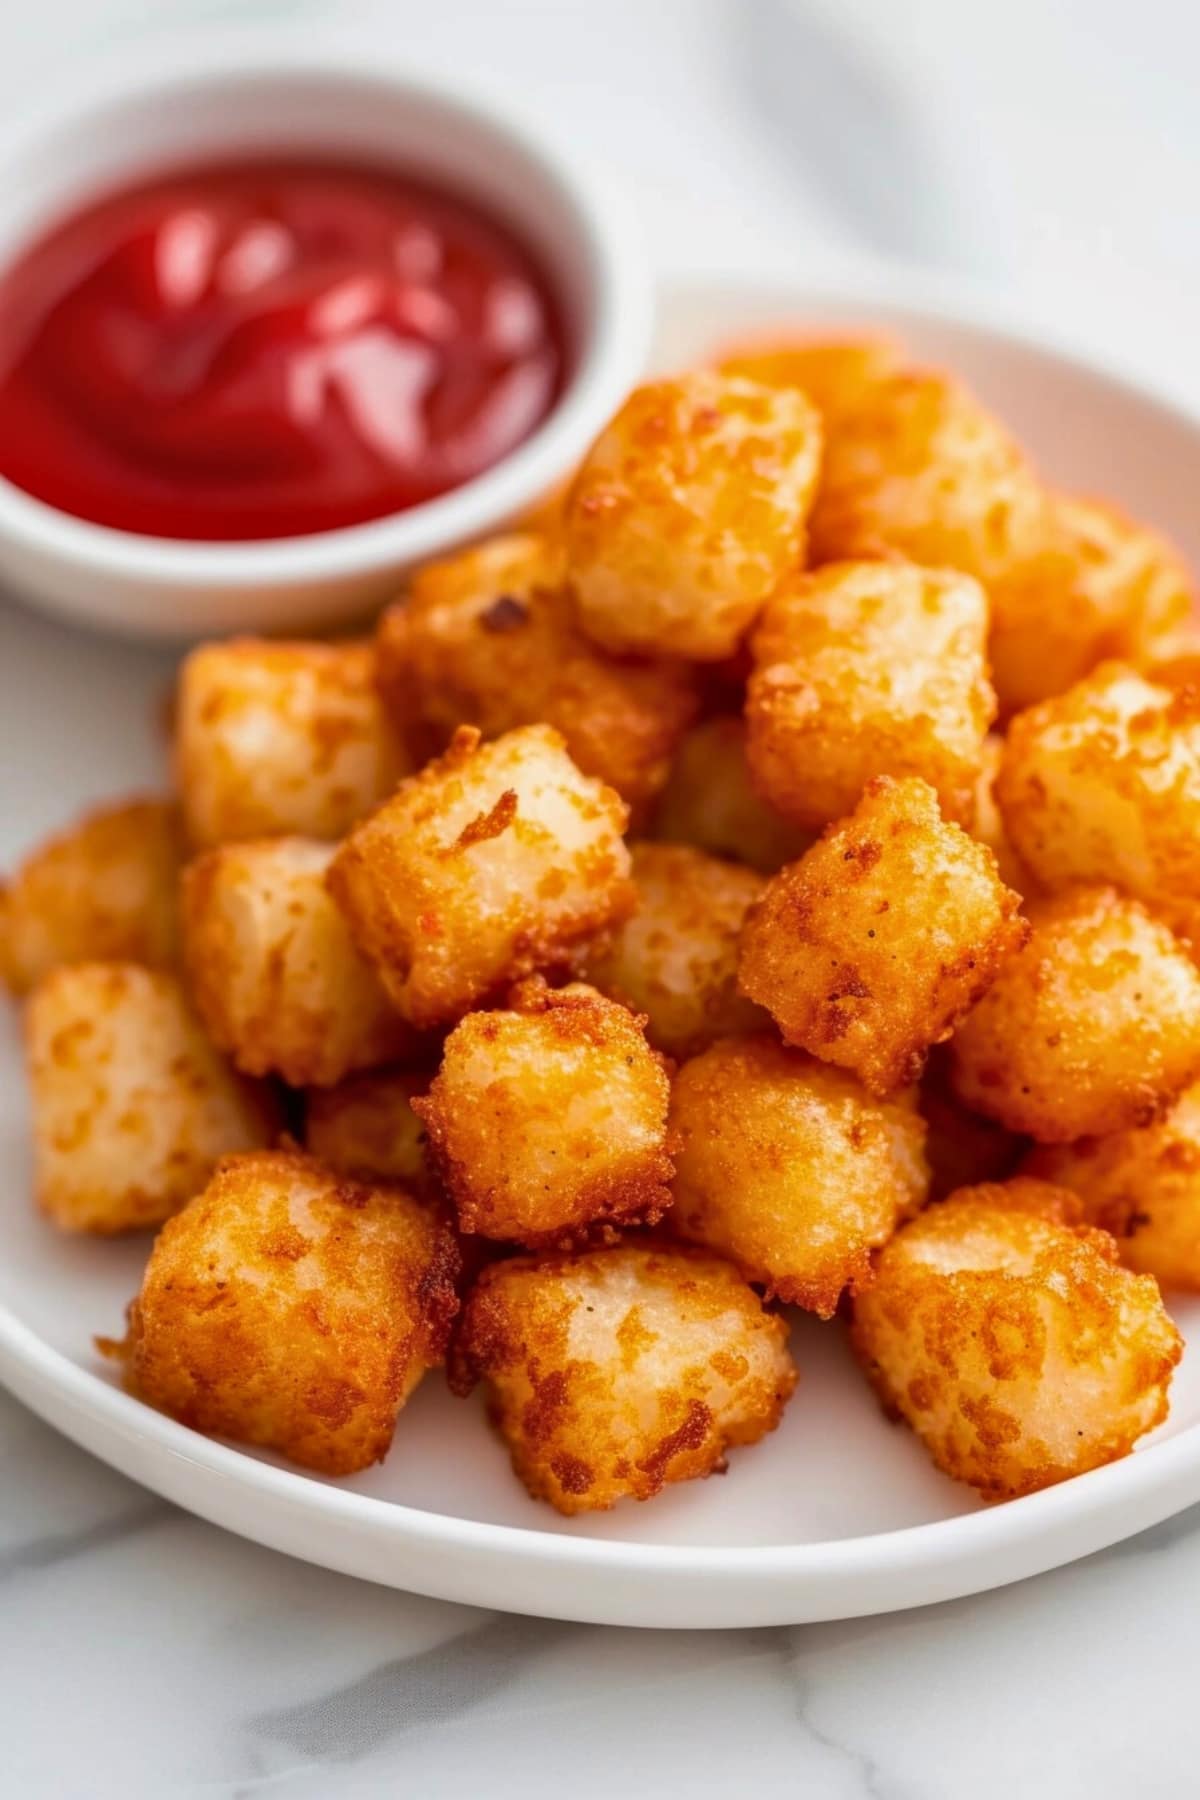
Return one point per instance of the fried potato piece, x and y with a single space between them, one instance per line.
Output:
1093 1027
614 1372
1098 587
988 824
790 1169
1006 1334
290 1307
366 1127
273 969
687 511
132 1106
710 802
1143 1186
675 959
1102 783
103 890
547 1121
920 467
487 638
962 1148
836 373
872 946
494 862
273 738
864 669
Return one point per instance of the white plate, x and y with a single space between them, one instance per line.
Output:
837 1514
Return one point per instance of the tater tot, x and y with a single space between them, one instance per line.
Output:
1098 587
1093 1027
132 1106
790 1169
547 1121
872 946
687 511
836 373
988 824
962 1148
487 638
103 890
1143 1186
614 1372
921 468
675 959
366 1127
290 1307
864 669
272 738
1102 783
710 802
1008 1337
273 969
492 863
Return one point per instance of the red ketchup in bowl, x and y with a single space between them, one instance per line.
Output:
263 349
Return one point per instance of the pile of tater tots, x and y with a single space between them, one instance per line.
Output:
770 878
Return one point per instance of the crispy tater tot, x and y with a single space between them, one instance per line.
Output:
103 890
988 823
1093 1027
836 373
1098 587
1007 1335
487 638
962 1148
687 511
547 1121
366 1127
921 468
273 969
132 1106
272 738
710 802
1102 783
790 1169
614 1372
1143 1186
290 1307
675 959
864 669
872 946
494 862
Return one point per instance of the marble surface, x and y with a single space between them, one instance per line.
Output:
144 1654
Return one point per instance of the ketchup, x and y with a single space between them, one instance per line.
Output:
266 348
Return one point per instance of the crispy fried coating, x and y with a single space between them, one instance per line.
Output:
1102 783
1097 587
675 959
988 824
273 969
290 1307
962 1148
837 373
614 1372
103 890
710 802
488 638
1007 1335
492 863
547 1121
1093 1027
790 1169
864 669
872 946
366 1127
132 1106
273 738
1141 1185
686 512
920 467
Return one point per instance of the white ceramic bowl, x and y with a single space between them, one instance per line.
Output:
132 113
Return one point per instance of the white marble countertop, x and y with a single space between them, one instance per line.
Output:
1052 150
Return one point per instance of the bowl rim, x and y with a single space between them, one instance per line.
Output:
608 358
